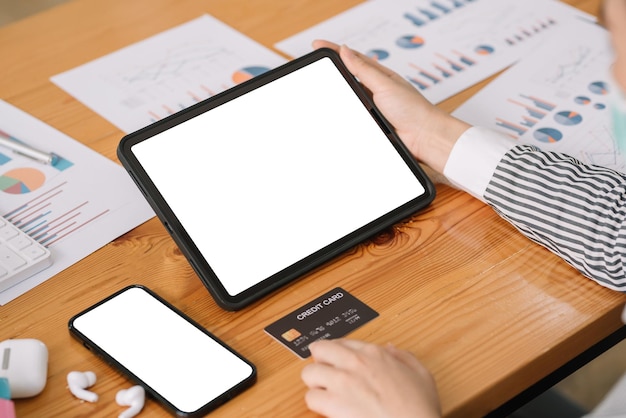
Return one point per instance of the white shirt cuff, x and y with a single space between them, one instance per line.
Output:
474 158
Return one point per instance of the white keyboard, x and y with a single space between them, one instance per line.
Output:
20 255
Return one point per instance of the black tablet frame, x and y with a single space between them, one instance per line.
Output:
305 265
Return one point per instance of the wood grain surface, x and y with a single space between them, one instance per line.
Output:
488 311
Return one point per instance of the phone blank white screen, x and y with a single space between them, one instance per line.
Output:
269 178
173 357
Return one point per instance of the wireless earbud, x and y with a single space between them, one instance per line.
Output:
77 382
133 397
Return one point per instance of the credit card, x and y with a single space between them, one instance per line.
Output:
332 315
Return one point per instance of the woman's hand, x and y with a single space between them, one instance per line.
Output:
351 378
428 132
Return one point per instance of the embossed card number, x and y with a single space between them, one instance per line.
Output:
332 315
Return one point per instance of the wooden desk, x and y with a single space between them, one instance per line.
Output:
489 312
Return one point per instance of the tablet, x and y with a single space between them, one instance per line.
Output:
266 181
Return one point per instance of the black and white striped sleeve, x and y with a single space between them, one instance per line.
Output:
577 211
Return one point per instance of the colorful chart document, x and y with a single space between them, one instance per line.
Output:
154 78
73 207
441 46
556 98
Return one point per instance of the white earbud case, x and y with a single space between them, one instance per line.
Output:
24 362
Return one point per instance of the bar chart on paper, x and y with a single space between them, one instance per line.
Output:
48 219
555 98
72 207
440 46
159 76
43 206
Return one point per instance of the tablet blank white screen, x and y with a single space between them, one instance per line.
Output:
273 176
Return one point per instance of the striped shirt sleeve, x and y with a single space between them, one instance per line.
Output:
577 211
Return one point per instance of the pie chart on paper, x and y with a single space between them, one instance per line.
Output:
21 180
378 54
583 100
484 50
410 42
599 87
247 73
548 135
568 118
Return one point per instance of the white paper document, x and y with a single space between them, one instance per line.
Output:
154 78
441 46
556 98
73 207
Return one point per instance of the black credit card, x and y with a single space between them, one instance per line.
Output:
332 315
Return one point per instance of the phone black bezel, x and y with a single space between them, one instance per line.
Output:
216 402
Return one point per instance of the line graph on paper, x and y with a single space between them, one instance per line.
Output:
570 68
184 75
605 152
170 71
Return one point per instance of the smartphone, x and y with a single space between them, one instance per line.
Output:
179 363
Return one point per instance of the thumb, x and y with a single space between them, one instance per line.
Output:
369 72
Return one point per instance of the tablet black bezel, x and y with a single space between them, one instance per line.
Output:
305 265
